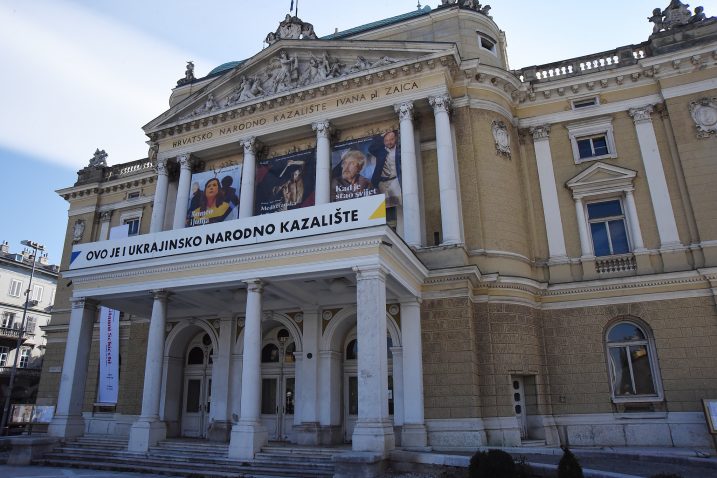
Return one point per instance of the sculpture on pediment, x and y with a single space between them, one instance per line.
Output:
99 159
188 75
286 72
210 104
675 15
704 114
291 28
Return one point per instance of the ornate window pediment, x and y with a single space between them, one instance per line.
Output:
601 178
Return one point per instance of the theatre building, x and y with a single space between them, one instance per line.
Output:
386 237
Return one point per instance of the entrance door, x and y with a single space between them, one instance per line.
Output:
277 406
197 399
350 404
519 405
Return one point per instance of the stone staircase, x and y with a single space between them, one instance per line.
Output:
192 458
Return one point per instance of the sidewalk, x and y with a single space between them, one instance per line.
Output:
7 471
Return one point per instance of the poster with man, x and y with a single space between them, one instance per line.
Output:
367 166
285 182
214 196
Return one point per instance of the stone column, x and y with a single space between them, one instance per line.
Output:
447 179
633 223
307 394
105 218
655 173
220 427
185 179
585 243
160 196
374 430
148 430
323 162
409 176
68 421
330 379
549 193
414 433
248 177
397 375
249 435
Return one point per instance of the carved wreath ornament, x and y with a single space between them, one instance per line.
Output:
501 138
704 114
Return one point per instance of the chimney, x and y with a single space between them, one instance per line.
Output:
43 259
5 247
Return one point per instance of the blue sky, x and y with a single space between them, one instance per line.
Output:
84 74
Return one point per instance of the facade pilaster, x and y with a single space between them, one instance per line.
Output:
68 421
249 435
447 178
308 430
409 180
373 431
160 196
185 178
105 218
148 430
220 426
248 177
323 161
413 434
585 243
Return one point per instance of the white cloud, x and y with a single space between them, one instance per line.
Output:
75 81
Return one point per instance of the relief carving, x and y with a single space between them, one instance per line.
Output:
704 114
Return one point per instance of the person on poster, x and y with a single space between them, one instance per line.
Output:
351 184
230 192
292 190
212 205
385 176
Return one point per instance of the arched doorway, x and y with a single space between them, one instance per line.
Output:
197 386
278 383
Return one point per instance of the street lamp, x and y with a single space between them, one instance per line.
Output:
6 409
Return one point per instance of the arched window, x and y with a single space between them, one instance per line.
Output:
289 353
352 350
195 356
270 353
631 362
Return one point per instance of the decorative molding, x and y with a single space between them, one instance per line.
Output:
641 114
704 114
540 133
440 103
78 230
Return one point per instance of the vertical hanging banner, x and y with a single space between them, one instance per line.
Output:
109 356
214 196
285 182
367 166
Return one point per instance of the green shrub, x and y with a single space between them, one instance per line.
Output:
491 464
569 466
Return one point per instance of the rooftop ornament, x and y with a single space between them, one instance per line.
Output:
471 4
188 75
99 159
292 28
677 14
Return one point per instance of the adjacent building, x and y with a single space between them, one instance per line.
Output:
387 237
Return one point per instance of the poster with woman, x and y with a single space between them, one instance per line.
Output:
214 196
367 166
285 182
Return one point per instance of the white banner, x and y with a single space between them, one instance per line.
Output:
323 219
109 356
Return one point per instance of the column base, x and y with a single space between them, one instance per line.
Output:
375 437
313 434
219 431
146 433
414 437
66 426
247 438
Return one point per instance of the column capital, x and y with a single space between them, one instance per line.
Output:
185 161
410 301
254 285
160 294
322 128
160 166
370 272
541 132
105 216
440 103
80 302
251 145
404 110
642 114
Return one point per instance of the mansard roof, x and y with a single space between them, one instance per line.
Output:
378 24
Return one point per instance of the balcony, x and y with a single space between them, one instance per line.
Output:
11 333
33 371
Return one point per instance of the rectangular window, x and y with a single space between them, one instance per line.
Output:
133 195
593 146
30 324
607 226
585 102
24 358
3 356
37 291
15 288
7 320
133 224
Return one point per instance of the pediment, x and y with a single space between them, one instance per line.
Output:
599 178
288 67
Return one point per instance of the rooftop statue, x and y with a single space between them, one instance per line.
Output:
292 28
99 159
188 75
677 14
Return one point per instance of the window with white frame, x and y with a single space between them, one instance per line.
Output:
4 351
487 43
133 226
592 140
133 219
607 228
632 365
15 288
30 324
7 320
37 291
24 358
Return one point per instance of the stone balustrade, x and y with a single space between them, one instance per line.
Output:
611 264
